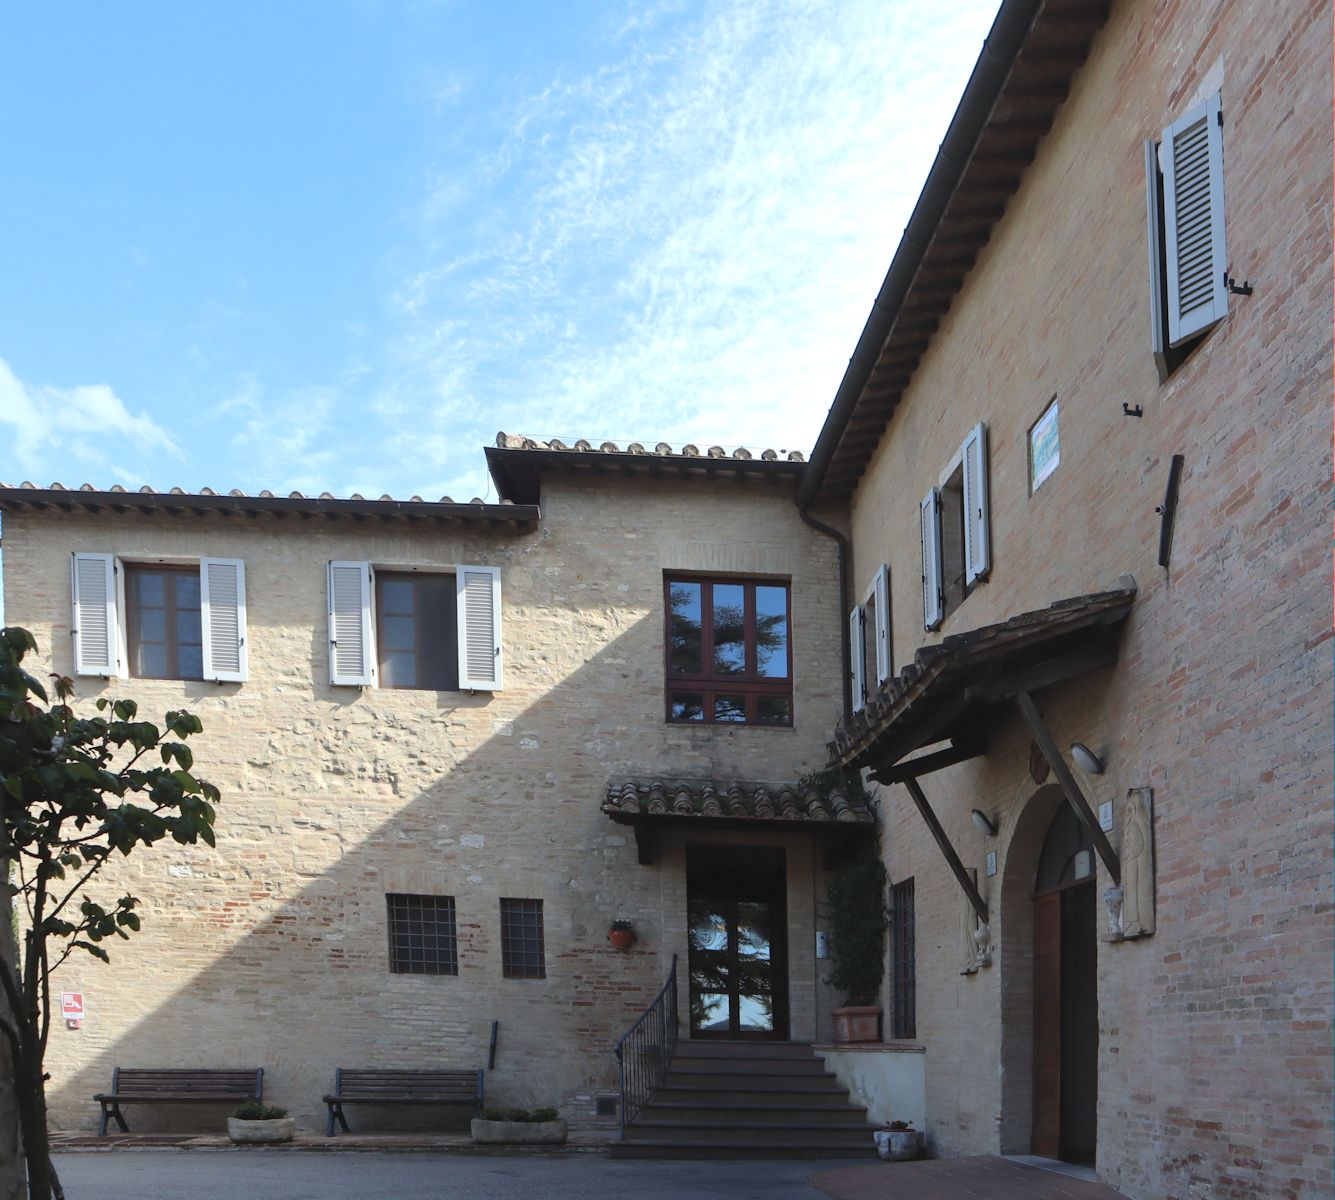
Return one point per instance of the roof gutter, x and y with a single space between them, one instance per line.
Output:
990 73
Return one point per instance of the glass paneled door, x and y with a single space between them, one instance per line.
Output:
738 941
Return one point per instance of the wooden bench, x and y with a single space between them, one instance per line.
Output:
137 1085
357 1086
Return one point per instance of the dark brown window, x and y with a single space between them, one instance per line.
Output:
417 631
422 935
162 622
902 939
521 940
729 652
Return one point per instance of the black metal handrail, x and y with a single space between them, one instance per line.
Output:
644 1052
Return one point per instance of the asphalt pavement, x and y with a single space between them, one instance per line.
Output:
294 1175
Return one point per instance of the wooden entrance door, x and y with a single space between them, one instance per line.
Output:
1066 1028
737 923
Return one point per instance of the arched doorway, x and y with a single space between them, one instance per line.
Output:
1065 1018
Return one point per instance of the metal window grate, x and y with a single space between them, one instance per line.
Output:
521 940
902 952
422 935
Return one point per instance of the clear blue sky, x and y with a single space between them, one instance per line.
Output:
338 245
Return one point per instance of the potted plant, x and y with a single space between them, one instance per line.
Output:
255 1122
621 934
858 916
898 1141
519 1127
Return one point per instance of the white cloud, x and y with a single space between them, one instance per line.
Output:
683 241
53 427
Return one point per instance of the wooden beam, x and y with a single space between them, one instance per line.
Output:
1076 798
952 859
1103 653
957 752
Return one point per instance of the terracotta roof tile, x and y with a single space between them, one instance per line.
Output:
713 800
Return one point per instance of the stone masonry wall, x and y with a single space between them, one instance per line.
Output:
272 949
1215 1066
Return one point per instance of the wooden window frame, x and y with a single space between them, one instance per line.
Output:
378 577
172 644
749 684
514 924
442 957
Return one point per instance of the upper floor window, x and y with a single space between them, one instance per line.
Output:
415 629
956 531
729 658
1184 195
869 641
163 621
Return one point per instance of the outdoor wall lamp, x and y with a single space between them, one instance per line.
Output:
1086 759
983 823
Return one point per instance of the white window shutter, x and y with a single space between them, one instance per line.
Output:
932 601
857 656
1193 182
93 586
882 591
351 638
479 602
222 602
977 550
1158 282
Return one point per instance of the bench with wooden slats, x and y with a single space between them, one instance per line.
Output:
191 1085
357 1086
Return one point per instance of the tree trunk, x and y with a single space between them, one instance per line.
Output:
11 1165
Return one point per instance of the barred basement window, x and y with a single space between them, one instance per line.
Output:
422 936
902 942
521 940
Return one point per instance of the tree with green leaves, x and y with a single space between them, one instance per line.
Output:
74 793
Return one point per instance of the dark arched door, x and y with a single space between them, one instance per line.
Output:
1066 1018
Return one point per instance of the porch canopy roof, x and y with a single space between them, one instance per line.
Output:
951 689
652 805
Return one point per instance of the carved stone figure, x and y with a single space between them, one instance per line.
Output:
1112 898
1137 867
968 923
982 941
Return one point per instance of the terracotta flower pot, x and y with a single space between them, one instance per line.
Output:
857 1023
621 939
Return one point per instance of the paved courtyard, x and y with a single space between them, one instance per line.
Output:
377 1175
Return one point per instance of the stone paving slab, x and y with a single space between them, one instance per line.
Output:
345 1143
980 1178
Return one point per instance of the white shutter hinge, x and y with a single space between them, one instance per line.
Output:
1238 289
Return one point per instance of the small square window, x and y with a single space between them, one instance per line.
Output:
1044 447
422 936
521 940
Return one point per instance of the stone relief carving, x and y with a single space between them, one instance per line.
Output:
1137 865
968 926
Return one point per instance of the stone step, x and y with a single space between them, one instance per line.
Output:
671 1148
752 1064
756 1080
853 1134
748 1050
819 1095
764 1112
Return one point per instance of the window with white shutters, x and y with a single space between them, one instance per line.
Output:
93 586
881 592
977 544
1184 188
857 656
933 602
478 592
351 646
222 596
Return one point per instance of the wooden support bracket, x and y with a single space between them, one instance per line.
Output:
1076 798
952 859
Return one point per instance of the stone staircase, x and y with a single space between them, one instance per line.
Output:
748 1100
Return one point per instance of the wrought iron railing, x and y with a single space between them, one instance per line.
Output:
644 1052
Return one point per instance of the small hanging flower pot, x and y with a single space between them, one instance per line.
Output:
621 934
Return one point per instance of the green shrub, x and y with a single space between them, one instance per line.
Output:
254 1110
521 1115
858 915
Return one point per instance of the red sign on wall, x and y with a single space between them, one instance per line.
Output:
71 1006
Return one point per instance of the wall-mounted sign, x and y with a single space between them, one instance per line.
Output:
1044 452
71 1008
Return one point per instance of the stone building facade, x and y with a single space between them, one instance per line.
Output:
979 577
271 949
1200 1052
